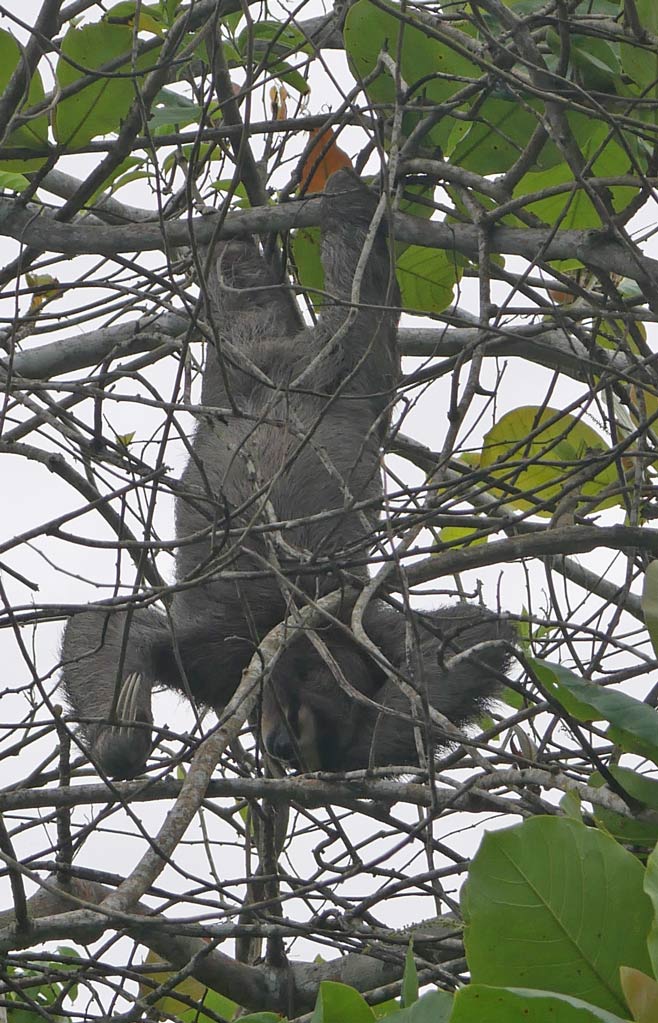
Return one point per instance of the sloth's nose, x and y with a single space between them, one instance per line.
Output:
279 744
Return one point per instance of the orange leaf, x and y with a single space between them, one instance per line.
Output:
324 158
641 994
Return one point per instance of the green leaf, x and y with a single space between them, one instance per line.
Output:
34 134
640 62
596 60
190 988
553 905
384 1010
150 18
418 198
651 888
640 787
262 1017
512 698
431 69
306 254
236 188
572 208
409 977
627 829
570 805
539 466
494 140
633 724
169 8
597 8
650 603
522 1005
268 42
272 39
12 182
433 1007
43 995
205 152
427 278
231 21
290 75
99 107
172 111
128 170
337 1003
572 692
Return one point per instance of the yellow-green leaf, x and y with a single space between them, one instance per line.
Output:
537 453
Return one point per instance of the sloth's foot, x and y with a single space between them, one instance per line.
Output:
121 748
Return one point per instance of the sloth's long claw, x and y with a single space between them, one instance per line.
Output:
122 748
127 711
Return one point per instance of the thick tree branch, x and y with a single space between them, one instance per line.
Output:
549 542
35 227
257 987
544 346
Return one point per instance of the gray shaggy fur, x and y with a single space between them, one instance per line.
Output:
310 411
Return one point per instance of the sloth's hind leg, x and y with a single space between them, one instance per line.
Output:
116 728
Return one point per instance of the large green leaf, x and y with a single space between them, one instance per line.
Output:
479 1004
573 208
337 1003
34 134
540 466
99 107
495 138
555 906
432 70
427 278
633 724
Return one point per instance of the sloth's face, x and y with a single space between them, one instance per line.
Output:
308 719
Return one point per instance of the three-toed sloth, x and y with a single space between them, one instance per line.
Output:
280 499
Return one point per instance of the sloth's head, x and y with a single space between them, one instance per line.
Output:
308 721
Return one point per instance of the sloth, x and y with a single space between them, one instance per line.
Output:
279 502
312 721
